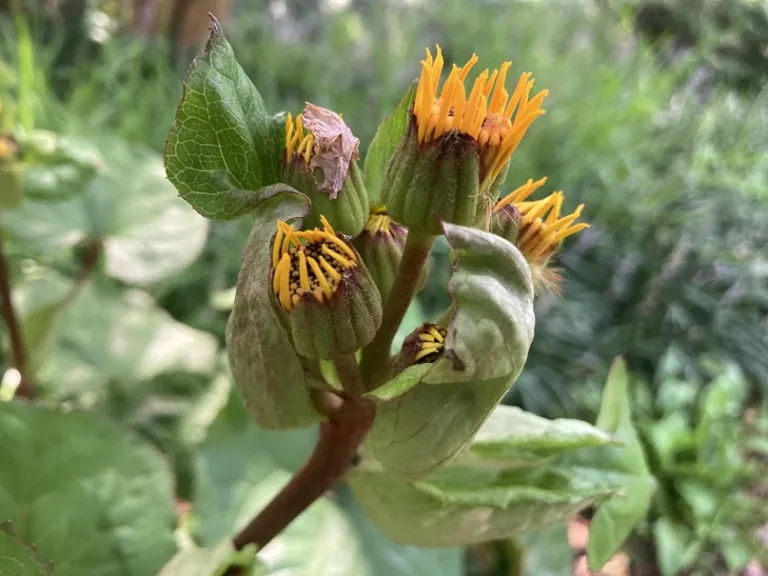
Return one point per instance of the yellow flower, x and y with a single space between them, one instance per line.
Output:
309 262
431 342
297 141
540 227
489 115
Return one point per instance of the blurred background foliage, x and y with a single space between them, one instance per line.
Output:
657 121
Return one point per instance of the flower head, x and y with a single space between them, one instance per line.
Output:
309 263
431 341
322 139
496 121
320 162
539 227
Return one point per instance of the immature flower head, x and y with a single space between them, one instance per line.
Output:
319 281
8 148
536 227
319 160
496 121
423 345
381 247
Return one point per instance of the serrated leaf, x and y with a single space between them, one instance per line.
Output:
616 518
17 558
148 232
107 334
512 437
238 476
209 562
222 147
271 376
460 506
91 498
384 143
485 350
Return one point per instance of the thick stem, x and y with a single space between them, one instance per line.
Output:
331 459
349 374
18 350
376 356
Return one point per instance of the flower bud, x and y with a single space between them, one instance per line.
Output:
320 154
536 228
330 300
449 165
423 346
381 247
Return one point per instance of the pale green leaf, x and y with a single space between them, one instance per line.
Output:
271 376
485 350
209 562
90 497
388 557
672 540
238 475
148 232
223 147
616 518
400 384
462 506
547 552
107 334
57 167
384 143
512 437
40 301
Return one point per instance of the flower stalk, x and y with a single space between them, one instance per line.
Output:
376 356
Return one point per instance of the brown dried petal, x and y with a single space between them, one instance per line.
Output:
335 147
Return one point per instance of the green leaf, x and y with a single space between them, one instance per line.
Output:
616 518
238 475
149 234
111 335
40 301
547 552
672 541
91 498
271 376
17 558
57 167
384 143
460 506
209 562
222 147
388 557
10 186
400 384
485 350
512 437
492 329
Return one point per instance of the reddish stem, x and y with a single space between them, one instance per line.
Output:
330 461
18 351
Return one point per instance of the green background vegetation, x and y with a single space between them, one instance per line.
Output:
657 121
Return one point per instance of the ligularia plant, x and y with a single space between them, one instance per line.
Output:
334 259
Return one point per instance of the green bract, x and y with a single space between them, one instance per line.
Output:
485 350
272 377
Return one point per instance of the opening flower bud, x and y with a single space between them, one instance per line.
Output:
320 155
536 228
381 247
332 305
423 346
455 154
